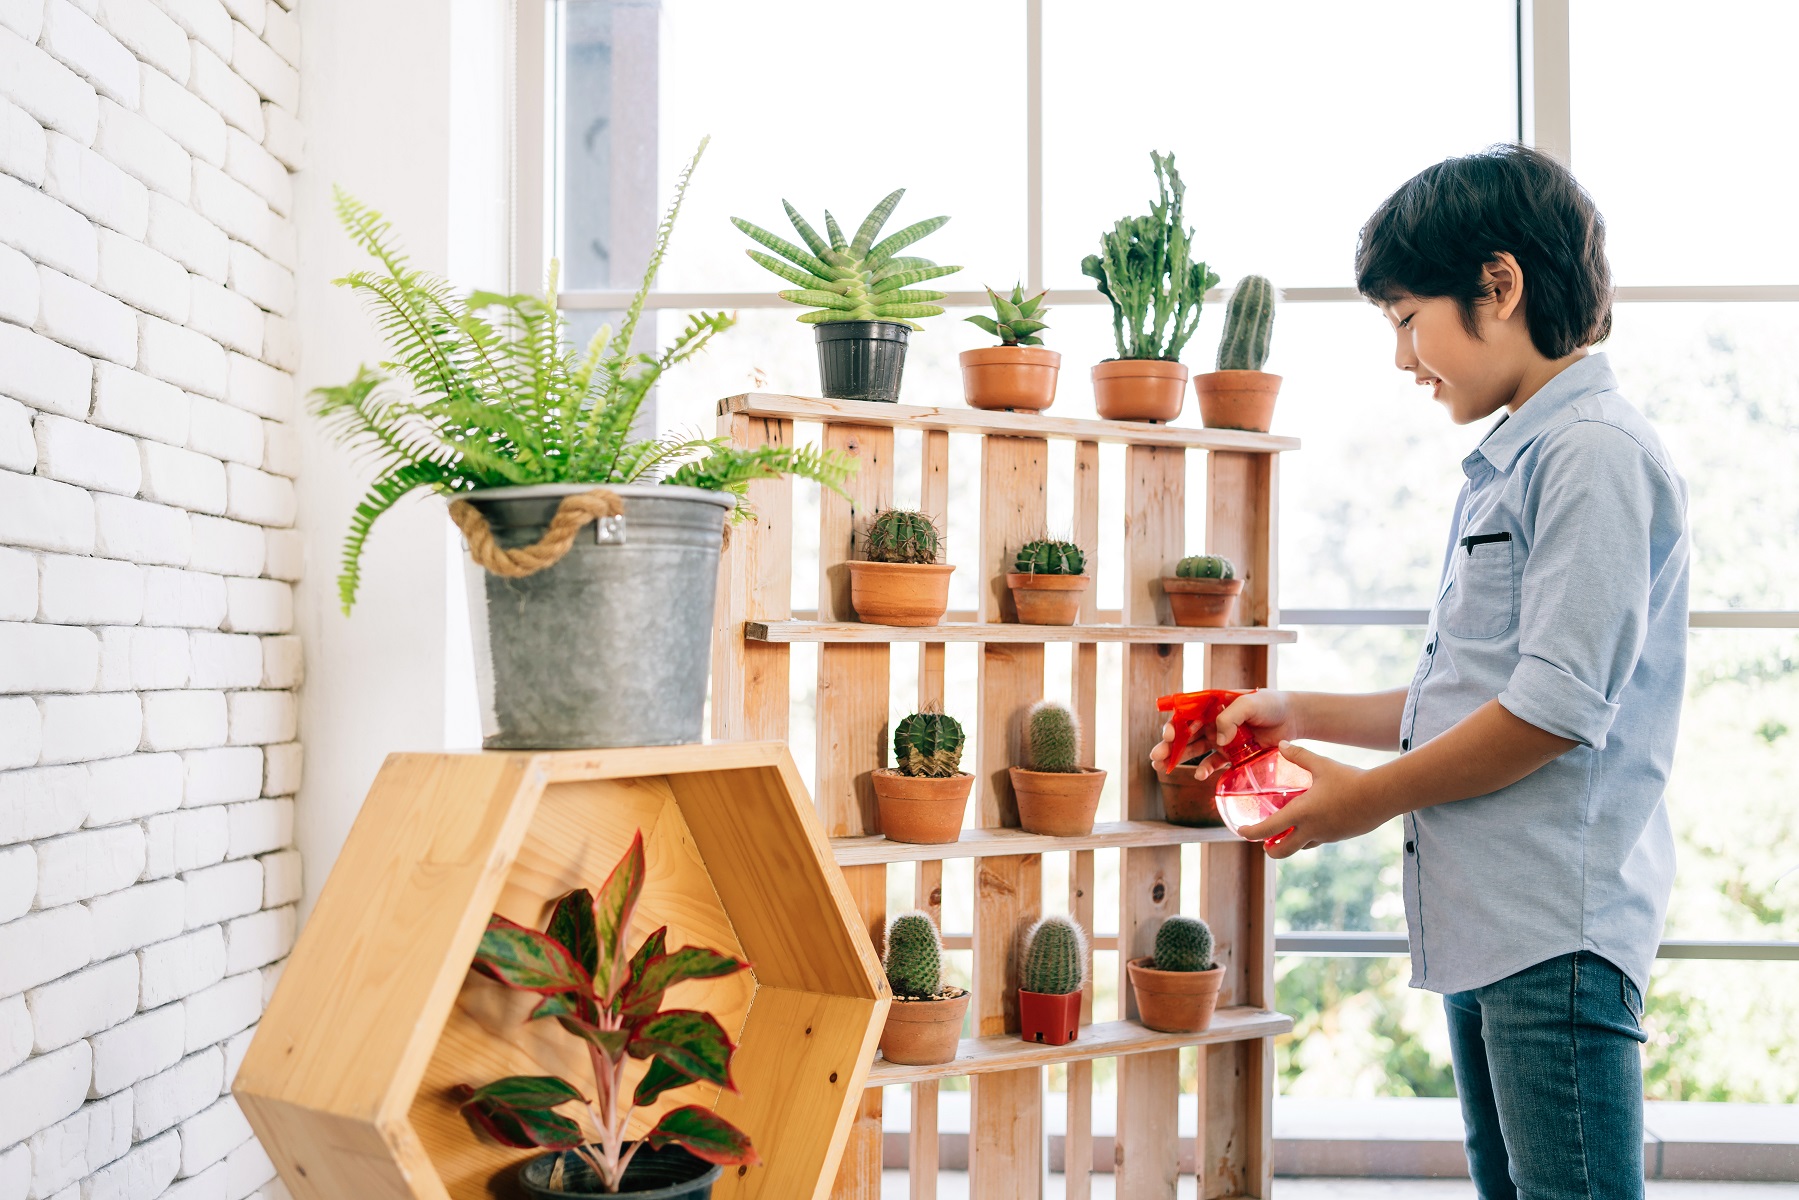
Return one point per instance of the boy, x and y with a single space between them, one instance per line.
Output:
1537 731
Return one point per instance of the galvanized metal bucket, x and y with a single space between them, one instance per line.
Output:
611 645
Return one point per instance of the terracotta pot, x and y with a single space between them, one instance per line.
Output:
919 809
1054 1020
1139 389
1174 1001
1047 599
1202 603
1188 799
1057 803
1237 399
920 1033
900 593
1010 377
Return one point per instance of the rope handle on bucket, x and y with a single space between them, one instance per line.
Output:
572 515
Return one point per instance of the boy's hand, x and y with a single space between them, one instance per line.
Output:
1333 809
1269 714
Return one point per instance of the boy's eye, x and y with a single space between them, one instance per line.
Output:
1405 321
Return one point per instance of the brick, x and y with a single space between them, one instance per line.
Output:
137 917
286 555
224 432
182 478
223 660
143 659
281 30
21 737
182 357
232 206
280 450
149 34
260 826
232 320
55 96
42 802
182 966
96 1135
225 91
282 878
280 343
25 18
182 115
249 1167
258 606
47 658
83 728
185 841
126 400
43 1091
259 497
85 319
37 371
41 947
22 145
262 718
270 285
185 598
168 1098
137 785
78 453
183 720
208 1137
218 893
225 1008
79 866
18 443
222 775
281 769
147 1044
261 389
18 585
247 12
188 238
18 887
209 1184
259 939
251 165
227 547
90 591
82 1004
18 274
142 532
204 20
271 979
94 187
237 1046
75 39
133 144
283 662
15 1039
143 1174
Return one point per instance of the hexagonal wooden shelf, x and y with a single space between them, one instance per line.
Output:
377 1014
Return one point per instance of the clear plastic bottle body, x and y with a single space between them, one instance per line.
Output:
1255 790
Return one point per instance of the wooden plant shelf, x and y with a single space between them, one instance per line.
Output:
988 843
1105 1039
347 1082
1034 635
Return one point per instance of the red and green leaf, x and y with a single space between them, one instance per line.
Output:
661 1077
653 947
612 911
566 1004
704 1134
527 960
527 1091
517 1111
571 923
688 1040
643 996
611 1042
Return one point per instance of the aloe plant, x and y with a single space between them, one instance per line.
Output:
854 279
1016 321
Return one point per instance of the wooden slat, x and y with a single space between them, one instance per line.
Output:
755 580
1077 1142
1006 424
989 843
850 632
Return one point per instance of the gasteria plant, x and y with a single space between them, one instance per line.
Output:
483 391
855 279
899 535
1015 321
1146 269
1049 558
928 745
612 1001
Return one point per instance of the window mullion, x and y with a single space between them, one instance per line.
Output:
1544 78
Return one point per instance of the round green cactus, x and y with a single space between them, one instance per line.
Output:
1205 566
1184 944
1248 321
901 536
1055 961
1049 558
928 745
1052 739
914 956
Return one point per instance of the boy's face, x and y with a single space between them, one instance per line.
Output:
1471 377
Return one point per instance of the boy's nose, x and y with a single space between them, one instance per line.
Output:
1403 358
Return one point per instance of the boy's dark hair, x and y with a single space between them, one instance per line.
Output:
1432 237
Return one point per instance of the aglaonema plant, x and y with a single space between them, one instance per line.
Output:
612 1001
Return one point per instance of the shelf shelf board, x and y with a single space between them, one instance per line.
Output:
975 420
997 632
990 843
1108 1039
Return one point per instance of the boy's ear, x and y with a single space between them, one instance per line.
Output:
1505 284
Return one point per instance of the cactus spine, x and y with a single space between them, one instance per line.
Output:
1049 558
928 745
1052 739
1055 961
1248 320
899 536
914 957
1184 944
1205 566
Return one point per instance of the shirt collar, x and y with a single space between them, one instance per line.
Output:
1507 440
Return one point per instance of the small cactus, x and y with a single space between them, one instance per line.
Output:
914 956
1184 944
899 536
1055 961
1015 322
1205 566
928 745
1049 558
1248 320
1052 739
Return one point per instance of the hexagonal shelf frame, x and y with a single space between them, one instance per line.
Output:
377 1014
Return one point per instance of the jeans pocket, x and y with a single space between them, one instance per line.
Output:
1633 999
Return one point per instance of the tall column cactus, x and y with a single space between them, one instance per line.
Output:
914 960
1248 321
1052 738
1055 961
1145 268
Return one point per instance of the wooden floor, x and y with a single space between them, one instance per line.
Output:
953 1185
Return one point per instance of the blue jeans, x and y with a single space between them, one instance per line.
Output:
1551 1081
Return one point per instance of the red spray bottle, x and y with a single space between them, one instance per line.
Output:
1254 781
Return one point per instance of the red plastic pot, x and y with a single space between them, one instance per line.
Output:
1050 1019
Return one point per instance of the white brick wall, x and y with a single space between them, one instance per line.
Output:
147 661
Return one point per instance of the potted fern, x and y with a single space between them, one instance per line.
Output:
1239 394
1048 580
923 796
1050 982
1056 794
1177 987
924 1022
1146 269
594 553
1018 373
860 291
901 578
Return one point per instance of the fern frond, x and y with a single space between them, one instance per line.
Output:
386 491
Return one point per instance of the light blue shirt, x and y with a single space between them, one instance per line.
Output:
1564 596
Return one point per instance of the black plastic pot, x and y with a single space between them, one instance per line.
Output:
670 1173
862 360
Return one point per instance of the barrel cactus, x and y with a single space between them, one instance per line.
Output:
1049 558
1205 566
1052 738
900 536
1184 944
1015 322
914 957
928 745
1055 960
1248 320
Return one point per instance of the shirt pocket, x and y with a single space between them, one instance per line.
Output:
1480 601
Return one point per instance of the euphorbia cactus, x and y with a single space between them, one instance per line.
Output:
928 745
1248 320
900 536
1016 321
1049 558
1184 944
1145 268
1052 738
1055 961
1205 566
914 957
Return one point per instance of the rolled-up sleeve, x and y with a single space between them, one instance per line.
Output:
1595 501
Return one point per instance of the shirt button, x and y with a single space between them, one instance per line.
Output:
1411 847
1405 743
1432 648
